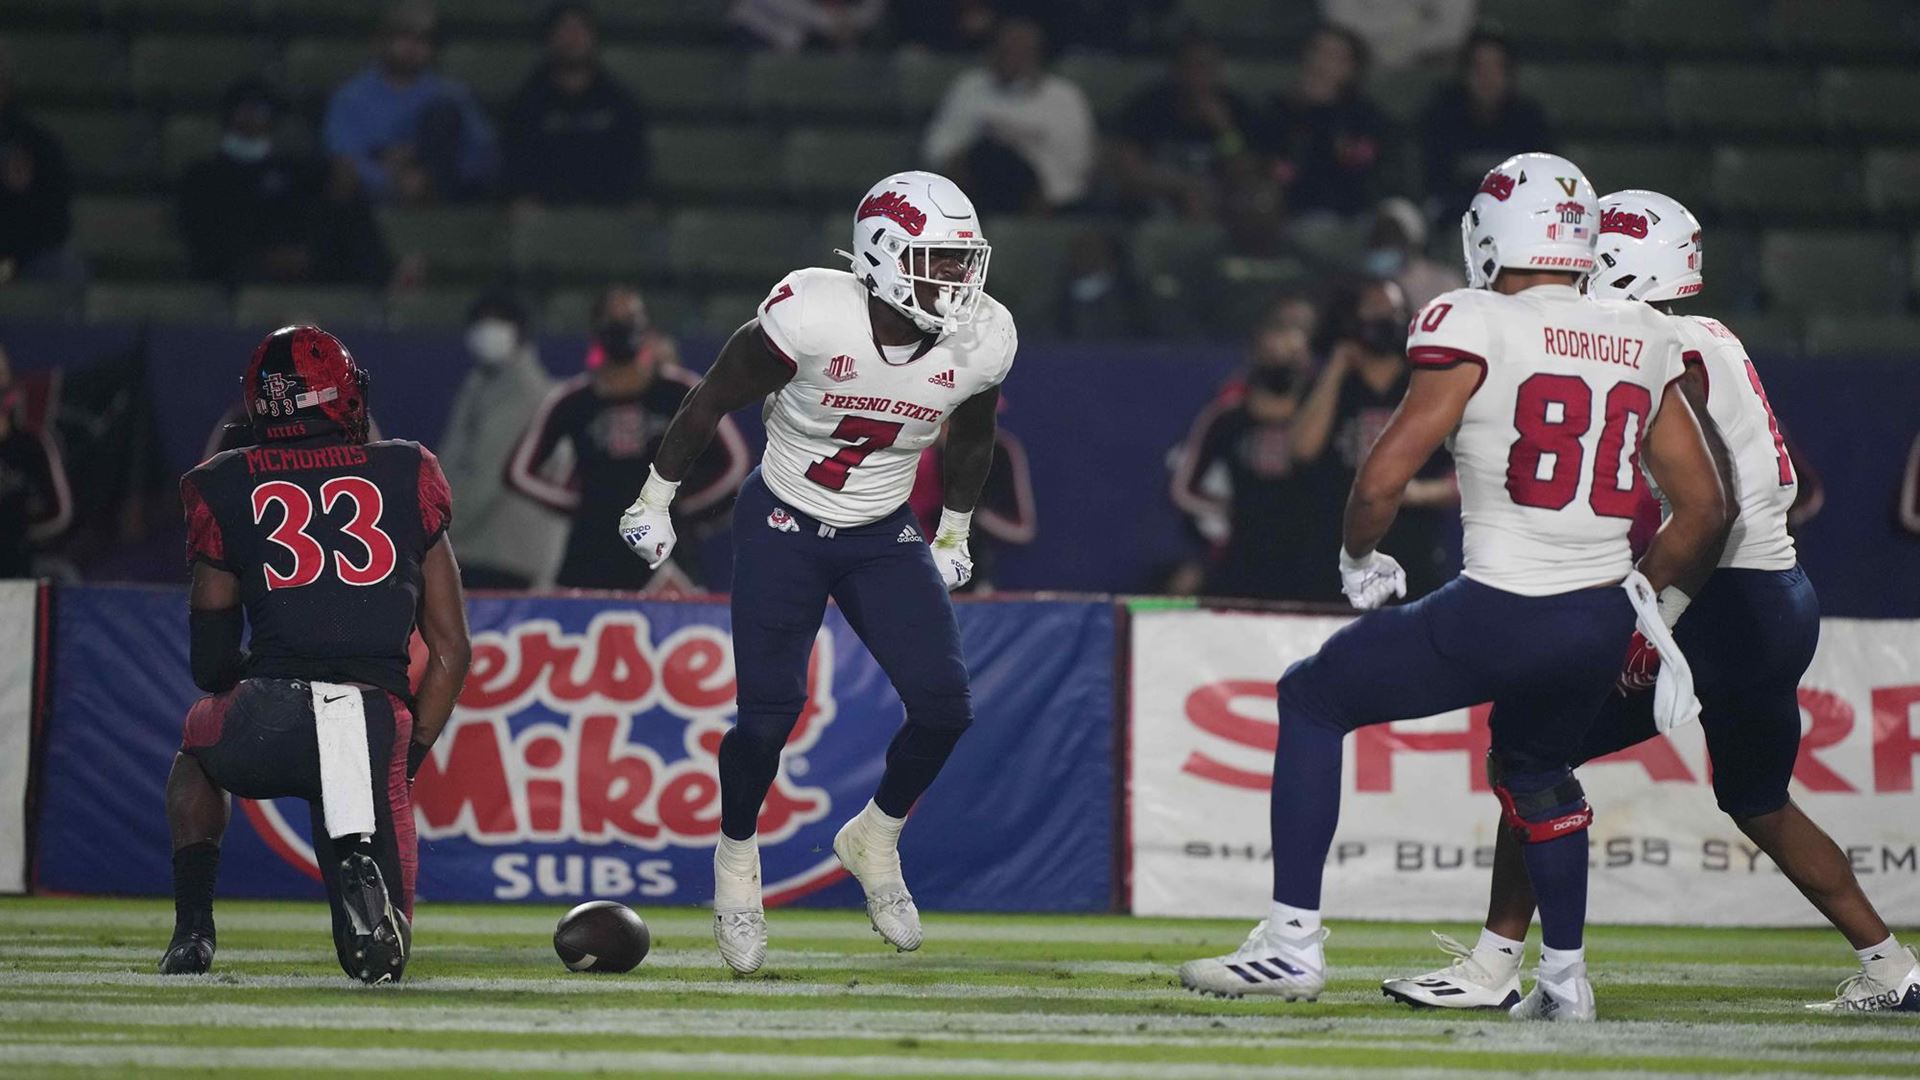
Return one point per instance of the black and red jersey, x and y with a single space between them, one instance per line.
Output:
327 538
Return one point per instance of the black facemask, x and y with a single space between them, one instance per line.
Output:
1273 379
1387 335
619 339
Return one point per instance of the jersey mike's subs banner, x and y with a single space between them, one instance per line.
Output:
1417 820
581 760
20 627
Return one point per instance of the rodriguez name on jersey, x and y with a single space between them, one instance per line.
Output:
844 436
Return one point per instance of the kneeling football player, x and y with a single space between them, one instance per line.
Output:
859 372
331 548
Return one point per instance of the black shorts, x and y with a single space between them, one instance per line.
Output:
258 741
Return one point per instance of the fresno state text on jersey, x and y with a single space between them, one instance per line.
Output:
1548 451
844 435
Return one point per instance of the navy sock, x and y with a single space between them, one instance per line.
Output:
1559 872
194 869
1305 805
914 758
747 769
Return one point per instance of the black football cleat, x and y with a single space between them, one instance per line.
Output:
377 949
189 953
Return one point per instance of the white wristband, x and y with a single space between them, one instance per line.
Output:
1672 604
657 493
954 524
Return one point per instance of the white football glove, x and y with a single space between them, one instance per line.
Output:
1371 579
647 526
950 553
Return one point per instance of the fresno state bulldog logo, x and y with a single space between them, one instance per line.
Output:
583 764
781 521
895 208
1499 185
840 368
1624 222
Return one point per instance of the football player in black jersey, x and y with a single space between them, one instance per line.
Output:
330 549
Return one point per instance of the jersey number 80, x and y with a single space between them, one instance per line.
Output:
1552 413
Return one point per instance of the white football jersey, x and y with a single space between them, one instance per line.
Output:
1548 451
844 436
1763 477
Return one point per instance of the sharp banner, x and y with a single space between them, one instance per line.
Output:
580 762
1417 822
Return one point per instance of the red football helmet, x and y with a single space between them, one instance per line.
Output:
302 382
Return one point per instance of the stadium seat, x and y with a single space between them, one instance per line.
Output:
168 302
1871 101
264 307
357 17
1110 81
39 15
1729 97
1856 28
716 163
125 237
1553 27
1264 27
493 70
142 16
649 20
723 312
1402 94
1732 270
1778 183
1730 29
1833 271
1893 182
108 150
36 301
1029 264
465 243
587 245
1770 335
1863 334
921 80
491 18
439 307
1174 259
1611 98
1675 169
834 166
695 83
185 139
316 66
748 249
820 85
66 69
191 70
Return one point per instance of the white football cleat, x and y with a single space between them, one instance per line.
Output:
874 861
1290 968
1861 992
1467 983
739 922
1565 997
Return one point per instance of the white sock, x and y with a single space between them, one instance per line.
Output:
1287 922
880 823
1555 961
739 857
1498 953
1886 963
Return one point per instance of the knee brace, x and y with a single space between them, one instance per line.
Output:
1542 813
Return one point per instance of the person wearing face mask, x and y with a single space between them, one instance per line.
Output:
1396 250
506 540
611 418
1244 438
35 505
254 212
1015 135
1364 379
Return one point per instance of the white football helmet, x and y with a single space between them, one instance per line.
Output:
1649 249
901 222
1532 212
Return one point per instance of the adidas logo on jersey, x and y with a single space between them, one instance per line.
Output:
945 379
908 535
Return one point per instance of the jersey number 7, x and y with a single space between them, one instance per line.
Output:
1552 413
866 435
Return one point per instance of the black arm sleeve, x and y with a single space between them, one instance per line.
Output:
215 648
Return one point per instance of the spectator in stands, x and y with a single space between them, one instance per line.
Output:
612 418
1362 383
36 195
1013 134
1325 137
791 25
401 131
35 506
1477 121
574 134
1397 251
253 212
1238 465
1183 143
1400 35
506 540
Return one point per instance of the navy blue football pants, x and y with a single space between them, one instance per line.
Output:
1546 662
1748 637
786 566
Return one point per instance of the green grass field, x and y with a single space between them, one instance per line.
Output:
996 996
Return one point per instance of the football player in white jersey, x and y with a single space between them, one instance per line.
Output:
1748 635
858 372
1549 401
